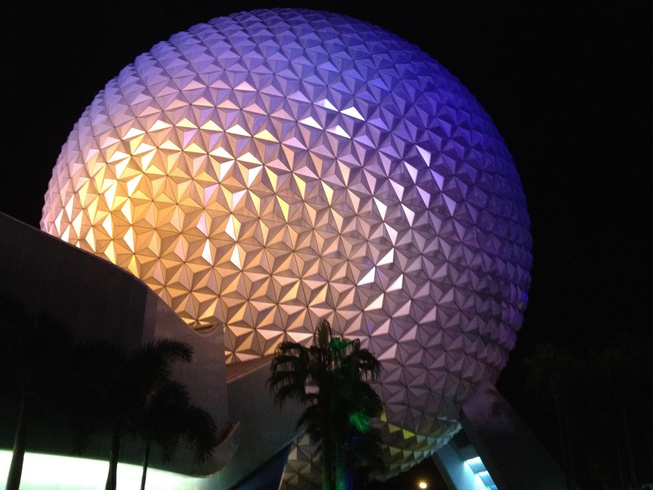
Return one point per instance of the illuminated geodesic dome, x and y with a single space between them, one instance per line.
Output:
267 169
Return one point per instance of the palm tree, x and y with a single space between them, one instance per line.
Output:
551 371
119 386
34 355
331 377
623 387
169 417
603 404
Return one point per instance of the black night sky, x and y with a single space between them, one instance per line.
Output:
568 84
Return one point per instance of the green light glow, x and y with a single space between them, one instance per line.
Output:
360 421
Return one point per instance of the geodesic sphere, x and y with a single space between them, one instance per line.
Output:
271 168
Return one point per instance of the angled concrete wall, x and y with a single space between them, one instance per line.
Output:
100 301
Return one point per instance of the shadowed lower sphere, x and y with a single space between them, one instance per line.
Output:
267 169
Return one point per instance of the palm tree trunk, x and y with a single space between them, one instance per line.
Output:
114 455
340 477
327 462
146 459
16 468
649 447
326 440
571 464
562 440
620 456
629 449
